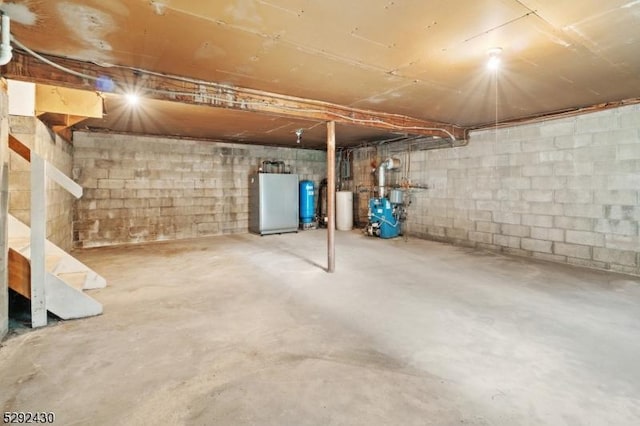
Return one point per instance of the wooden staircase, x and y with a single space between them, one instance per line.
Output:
51 278
67 277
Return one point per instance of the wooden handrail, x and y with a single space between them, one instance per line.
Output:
19 148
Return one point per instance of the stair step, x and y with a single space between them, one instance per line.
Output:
65 280
19 243
74 279
51 261
57 261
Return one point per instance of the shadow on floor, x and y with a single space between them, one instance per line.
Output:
20 315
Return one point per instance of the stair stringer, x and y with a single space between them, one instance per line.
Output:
68 302
67 263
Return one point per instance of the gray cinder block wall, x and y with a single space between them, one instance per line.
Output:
4 194
564 190
37 136
141 188
361 182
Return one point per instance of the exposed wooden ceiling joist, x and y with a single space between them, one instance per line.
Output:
216 95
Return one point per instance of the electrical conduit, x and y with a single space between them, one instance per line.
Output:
5 47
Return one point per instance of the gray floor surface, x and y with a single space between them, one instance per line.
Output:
249 330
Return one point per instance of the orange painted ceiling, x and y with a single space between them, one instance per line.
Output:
424 59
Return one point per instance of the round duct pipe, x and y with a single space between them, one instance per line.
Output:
388 164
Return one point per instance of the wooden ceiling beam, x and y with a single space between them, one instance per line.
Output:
68 102
27 68
60 120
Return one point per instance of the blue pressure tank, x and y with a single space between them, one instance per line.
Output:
306 201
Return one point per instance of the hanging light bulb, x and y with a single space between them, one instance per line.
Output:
132 99
299 135
494 58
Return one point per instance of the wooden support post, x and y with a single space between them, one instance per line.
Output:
38 237
331 195
4 218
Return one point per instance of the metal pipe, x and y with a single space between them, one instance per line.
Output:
51 63
388 164
381 179
331 196
5 46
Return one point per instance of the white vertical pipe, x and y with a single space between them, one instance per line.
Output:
5 46
38 237
381 180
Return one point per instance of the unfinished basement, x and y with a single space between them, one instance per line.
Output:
269 212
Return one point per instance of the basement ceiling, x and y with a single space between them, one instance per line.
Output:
164 118
422 59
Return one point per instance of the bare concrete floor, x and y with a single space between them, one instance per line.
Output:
248 330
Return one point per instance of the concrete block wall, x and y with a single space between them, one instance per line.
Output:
140 188
4 208
37 136
564 190
365 177
362 182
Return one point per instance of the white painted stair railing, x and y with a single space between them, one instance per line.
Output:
65 276
57 278
58 261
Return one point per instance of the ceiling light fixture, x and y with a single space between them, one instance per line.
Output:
132 99
299 135
113 85
494 58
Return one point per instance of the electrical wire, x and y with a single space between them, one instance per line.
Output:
51 63
214 98
291 108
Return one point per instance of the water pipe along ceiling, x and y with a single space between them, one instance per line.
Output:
423 59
